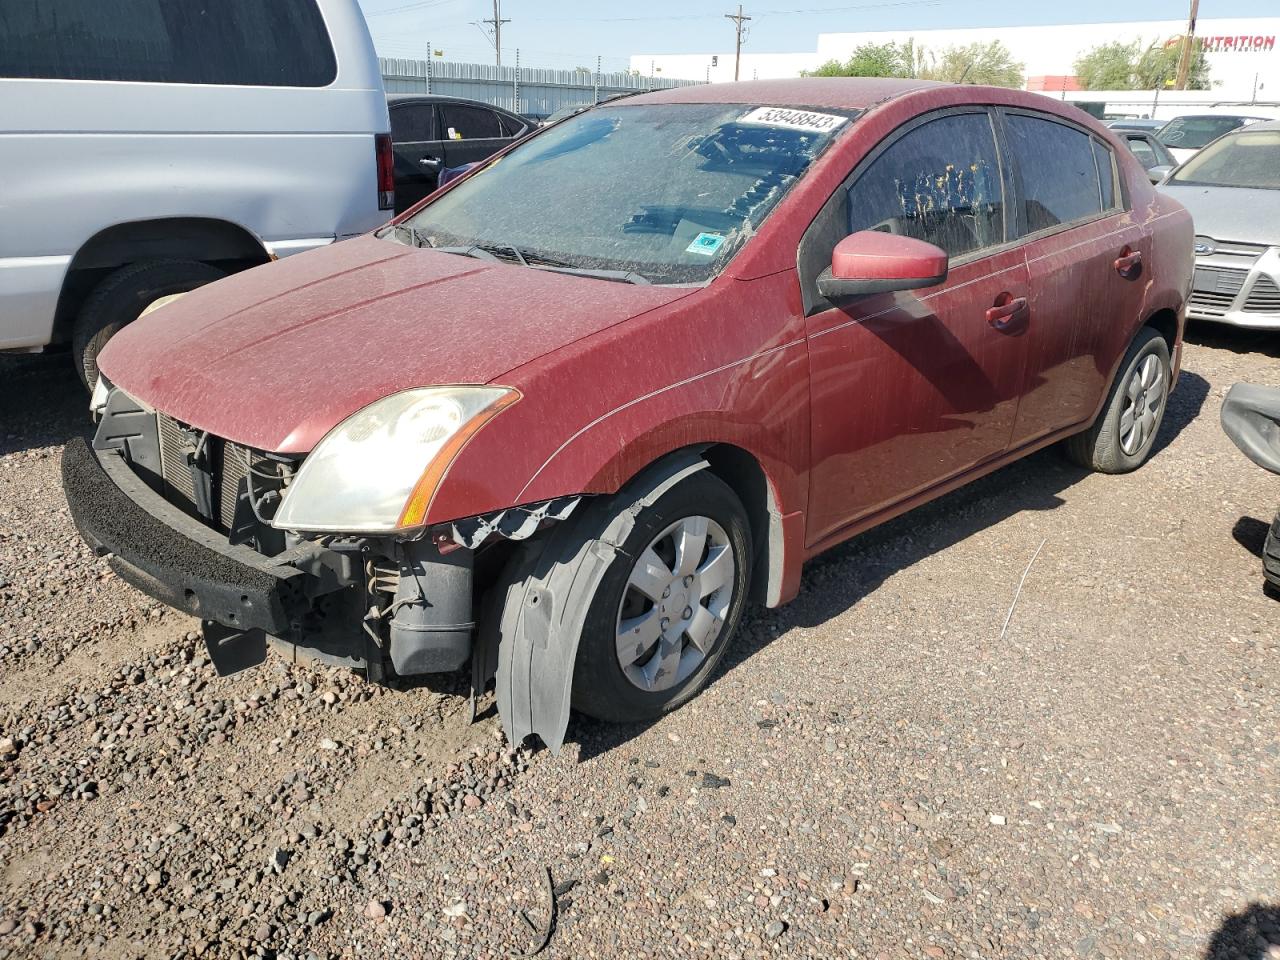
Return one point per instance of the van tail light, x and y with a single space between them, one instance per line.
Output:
386 171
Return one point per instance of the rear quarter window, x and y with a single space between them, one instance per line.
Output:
270 43
1059 174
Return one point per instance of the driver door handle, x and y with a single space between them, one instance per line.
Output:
1007 309
1128 262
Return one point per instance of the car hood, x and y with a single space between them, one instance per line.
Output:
275 357
1240 214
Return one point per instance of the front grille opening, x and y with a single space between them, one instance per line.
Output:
231 487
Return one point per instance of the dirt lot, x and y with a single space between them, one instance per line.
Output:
875 773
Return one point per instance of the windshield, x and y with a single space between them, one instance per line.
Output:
658 193
1250 158
1192 133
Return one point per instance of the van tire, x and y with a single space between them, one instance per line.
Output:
122 296
1101 447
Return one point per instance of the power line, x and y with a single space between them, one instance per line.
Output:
420 5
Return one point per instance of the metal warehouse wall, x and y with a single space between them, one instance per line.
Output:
541 91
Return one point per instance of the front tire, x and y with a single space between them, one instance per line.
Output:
640 653
119 300
668 606
1121 439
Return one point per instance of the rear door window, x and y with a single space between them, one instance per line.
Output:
413 123
1059 175
1142 150
469 123
939 182
281 43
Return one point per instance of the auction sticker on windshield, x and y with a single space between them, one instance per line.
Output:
794 119
705 243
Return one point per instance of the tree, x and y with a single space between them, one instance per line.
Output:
871 60
1158 67
1110 66
988 63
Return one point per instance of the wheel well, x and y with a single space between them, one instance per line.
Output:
742 473
218 242
1165 323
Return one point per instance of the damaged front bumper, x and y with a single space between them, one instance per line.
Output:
368 604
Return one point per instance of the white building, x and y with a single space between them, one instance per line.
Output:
1243 53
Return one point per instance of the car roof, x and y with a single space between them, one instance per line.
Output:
840 93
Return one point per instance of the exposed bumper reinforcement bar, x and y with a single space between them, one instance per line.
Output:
164 553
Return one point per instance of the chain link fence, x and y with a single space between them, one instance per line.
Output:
533 91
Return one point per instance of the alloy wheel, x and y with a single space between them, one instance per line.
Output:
675 602
1144 403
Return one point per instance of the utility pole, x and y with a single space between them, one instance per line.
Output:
1184 55
739 22
497 23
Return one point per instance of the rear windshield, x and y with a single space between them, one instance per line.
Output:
665 192
1192 133
1250 158
271 43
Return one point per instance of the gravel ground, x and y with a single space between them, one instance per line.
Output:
874 773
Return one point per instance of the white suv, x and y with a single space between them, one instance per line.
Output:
151 146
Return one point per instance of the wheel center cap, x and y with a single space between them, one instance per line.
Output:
676 602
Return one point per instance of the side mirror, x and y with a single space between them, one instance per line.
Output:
873 262
1158 173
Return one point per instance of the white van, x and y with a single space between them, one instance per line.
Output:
151 146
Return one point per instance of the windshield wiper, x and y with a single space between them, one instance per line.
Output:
618 276
536 261
416 239
473 250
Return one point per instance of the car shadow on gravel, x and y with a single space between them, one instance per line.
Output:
1221 336
1251 934
841 577
42 402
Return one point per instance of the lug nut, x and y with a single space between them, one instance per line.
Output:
666 593
688 581
688 612
665 623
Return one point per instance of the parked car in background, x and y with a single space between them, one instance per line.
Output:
1135 123
638 371
150 148
430 133
1151 153
1185 135
1232 188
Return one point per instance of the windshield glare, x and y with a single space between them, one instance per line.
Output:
1250 158
1192 133
667 192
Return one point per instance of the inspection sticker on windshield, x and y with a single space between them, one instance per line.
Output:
706 244
794 119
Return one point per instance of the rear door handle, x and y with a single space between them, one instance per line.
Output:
1128 263
432 163
1007 308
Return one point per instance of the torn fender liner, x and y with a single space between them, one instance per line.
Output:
547 599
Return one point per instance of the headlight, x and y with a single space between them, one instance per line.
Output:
377 470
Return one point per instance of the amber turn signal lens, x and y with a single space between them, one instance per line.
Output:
419 502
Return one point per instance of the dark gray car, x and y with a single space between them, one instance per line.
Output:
430 133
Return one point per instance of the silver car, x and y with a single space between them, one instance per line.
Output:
1232 188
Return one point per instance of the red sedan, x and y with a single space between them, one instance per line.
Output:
566 417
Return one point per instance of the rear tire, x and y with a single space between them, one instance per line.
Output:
119 299
1121 439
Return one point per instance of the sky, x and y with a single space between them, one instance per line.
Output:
572 33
